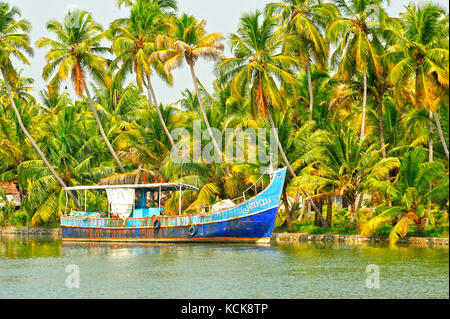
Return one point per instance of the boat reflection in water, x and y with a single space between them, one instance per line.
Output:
130 250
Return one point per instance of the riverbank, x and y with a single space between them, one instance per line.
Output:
413 241
277 237
30 231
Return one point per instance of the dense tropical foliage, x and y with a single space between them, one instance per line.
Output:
356 100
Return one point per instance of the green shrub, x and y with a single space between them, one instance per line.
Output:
383 231
18 219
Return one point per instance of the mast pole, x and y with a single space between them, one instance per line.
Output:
159 201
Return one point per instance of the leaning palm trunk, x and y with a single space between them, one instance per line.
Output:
202 109
363 122
151 94
430 142
36 147
283 154
311 95
441 134
430 154
102 132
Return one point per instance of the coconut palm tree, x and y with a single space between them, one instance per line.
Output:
65 137
420 51
256 67
305 20
76 53
410 194
21 90
117 102
168 6
356 35
188 41
133 43
345 165
15 42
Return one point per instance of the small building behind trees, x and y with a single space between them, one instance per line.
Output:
12 193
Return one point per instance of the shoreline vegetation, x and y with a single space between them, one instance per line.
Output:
355 104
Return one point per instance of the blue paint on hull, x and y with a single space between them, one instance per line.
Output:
247 229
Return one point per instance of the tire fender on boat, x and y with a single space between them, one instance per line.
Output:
157 224
192 231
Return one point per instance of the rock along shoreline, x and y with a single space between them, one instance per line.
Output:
277 237
357 240
30 231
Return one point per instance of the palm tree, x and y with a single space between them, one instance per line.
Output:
117 103
304 20
133 44
76 52
345 165
410 194
256 67
66 137
189 41
21 90
168 6
12 44
358 47
420 51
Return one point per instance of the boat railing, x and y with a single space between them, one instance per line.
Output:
208 209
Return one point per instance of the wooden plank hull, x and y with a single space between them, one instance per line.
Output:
249 222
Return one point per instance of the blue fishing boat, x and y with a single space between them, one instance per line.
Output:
130 217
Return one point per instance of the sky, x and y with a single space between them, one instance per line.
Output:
221 16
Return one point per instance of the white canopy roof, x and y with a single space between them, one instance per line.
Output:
151 187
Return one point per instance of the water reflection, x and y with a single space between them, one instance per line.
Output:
24 246
35 266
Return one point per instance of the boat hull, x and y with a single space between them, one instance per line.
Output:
256 228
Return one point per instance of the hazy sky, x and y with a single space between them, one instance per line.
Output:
221 16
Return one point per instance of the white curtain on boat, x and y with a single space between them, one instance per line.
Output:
122 201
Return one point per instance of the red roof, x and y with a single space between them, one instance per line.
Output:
10 188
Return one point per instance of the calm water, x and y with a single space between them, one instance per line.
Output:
35 267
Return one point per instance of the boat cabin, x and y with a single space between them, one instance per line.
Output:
131 201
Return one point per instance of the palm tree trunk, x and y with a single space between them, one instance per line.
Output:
288 222
311 95
430 155
381 128
137 178
288 165
329 211
302 211
202 109
441 134
102 132
293 208
34 144
280 147
430 143
363 122
151 93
